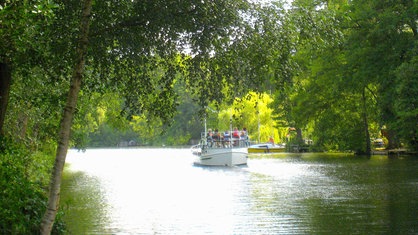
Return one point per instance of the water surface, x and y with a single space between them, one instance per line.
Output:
159 191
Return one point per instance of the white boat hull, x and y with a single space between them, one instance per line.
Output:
221 157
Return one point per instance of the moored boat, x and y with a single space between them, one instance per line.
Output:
266 148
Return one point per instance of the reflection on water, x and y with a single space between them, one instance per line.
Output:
159 191
83 202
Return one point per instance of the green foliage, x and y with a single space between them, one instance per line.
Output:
253 112
23 177
105 136
111 127
323 97
187 124
22 22
34 113
136 52
407 103
380 38
348 56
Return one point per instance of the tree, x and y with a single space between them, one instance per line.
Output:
388 32
406 105
129 40
348 56
253 112
66 122
315 95
21 23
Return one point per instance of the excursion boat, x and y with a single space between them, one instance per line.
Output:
222 152
266 148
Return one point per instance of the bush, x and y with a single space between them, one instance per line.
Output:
23 183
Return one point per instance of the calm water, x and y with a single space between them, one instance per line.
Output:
159 191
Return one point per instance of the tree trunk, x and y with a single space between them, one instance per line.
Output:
299 137
366 123
5 82
66 122
391 136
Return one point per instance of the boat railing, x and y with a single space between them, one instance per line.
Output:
223 141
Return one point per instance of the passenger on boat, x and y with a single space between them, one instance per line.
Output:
227 136
244 137
271 140
235 136
216 138
227 139
209 138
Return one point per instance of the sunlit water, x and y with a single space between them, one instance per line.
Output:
160 191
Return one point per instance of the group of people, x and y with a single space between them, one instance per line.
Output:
227 138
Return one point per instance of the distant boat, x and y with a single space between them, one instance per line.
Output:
266 148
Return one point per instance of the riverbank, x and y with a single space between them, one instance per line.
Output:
394 152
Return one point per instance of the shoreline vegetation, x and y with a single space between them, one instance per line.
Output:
24 180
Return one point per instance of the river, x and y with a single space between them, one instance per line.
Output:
160 191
